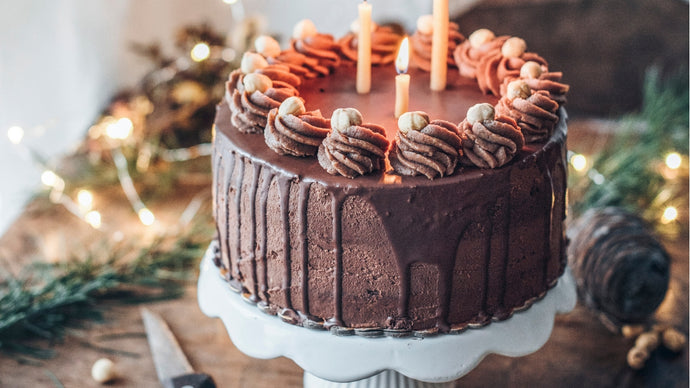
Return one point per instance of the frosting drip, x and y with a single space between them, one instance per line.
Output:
535 115
250 110
353 151
467 57
321 47
421 46
432 151
384 45
296 135
490 143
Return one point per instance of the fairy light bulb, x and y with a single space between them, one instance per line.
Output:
85 199
670 215
229 1
146 217
200 52
15 134
93 218
673 160
120 129
49 178
579 162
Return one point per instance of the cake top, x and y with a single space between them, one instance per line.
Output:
303 99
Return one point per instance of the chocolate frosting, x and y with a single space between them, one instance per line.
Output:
493 68
299 64
250 110
421 47
432 151
296 135
491 143
549 81
384 45
467 57
281 76
323 48
356 150
535 115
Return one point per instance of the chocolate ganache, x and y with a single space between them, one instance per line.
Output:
385 254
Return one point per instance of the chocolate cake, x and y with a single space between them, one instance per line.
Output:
385 253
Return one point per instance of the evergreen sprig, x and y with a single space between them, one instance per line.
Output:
47 299
631 163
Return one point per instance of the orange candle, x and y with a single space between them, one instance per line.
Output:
402 80
364 49
439 45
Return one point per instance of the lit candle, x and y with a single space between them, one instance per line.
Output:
364 49
439 45
402 80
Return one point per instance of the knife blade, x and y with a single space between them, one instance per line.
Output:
172 367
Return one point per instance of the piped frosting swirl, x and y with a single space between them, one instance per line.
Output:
534 112
498 65
469 53
537 77
489 140
424 147
353 148
322 47
384 45
291 130
420 42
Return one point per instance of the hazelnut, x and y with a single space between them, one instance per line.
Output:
345 117
252 62
267 46
673 339
514 47
354 26
632 331
480 112
292 106
530 69
255 81
648 341
480 37
305 28
103 370
637 357
518 89
425 24
413 121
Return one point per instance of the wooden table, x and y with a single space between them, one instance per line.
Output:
580 353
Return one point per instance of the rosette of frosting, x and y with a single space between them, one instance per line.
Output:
420 42
492 69
352 148
423 147
291 130
537 78
322 47
250 97
481 43
297 63
384 44
534 112
489 140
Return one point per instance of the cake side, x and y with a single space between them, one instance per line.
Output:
386 253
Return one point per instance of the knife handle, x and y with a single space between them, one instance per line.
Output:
191 380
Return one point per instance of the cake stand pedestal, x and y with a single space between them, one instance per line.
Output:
352 361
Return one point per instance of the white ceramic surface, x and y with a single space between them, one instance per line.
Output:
325 356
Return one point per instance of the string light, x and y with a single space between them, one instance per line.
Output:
146 217
230 1
579 162
93 218
15 134
673 160
120 129
200 52
49 178
670 215
85 199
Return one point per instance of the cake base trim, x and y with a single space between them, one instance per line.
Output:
263 336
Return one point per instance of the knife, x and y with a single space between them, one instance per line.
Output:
172 366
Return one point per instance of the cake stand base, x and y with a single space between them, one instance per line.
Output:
330 360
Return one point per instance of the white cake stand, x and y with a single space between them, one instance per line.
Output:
352 361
